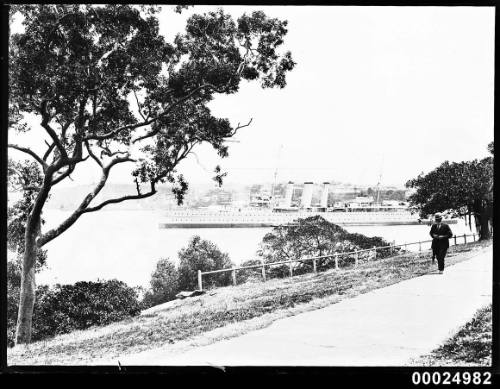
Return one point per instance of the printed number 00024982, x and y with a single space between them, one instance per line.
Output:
447 378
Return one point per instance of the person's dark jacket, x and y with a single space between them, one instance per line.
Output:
443 242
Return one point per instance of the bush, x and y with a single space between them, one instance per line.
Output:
13 283
365 242
313 237
164 284
65 308
247 275
205 256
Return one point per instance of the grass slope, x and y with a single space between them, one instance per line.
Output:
232 307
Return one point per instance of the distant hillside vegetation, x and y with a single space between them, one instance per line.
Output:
68 198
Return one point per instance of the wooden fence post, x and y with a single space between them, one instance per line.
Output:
263 271
200 284
455 239
356 259
290 266
465 239
474 237
419 246
374 252
336 261
315 270
233 273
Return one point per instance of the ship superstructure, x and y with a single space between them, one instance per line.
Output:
362 210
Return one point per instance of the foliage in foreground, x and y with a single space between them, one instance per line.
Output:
164 284
66 308
167 279
205 256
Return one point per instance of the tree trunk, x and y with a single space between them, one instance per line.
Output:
485 228
477 222
482 217
28 286
27 293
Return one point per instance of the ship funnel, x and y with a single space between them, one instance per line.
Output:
288 195
324 195
307 195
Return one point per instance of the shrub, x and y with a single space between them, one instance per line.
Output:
13 283
312 237
164 284
205 256
366 242
247 275
65 308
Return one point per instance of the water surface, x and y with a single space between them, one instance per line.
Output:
127 244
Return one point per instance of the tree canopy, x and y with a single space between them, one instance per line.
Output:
164 283
202 255
104 81
108 88
463 187
312 237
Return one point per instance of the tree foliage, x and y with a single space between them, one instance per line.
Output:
104 81
312 237
22 174
463 187
107 88
164 283
64 308
205 256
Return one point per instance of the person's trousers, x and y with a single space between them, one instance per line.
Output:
440 254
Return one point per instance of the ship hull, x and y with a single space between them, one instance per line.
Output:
272 219
264 224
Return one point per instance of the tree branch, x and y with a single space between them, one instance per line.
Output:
91 153
135 126
82 208
50 130
241 126
123 198
29 152
139 108
49 150
63 175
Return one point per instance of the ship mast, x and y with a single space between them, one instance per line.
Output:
379 181
273 197
378 189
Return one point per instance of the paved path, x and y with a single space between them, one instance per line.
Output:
385 327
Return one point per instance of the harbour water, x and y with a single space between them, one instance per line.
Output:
127 244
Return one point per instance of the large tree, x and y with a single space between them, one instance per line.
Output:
107 88
463 187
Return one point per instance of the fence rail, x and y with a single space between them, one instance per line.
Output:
336 257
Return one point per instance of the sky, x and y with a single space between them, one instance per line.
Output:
390 91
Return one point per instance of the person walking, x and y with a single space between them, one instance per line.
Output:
440 233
